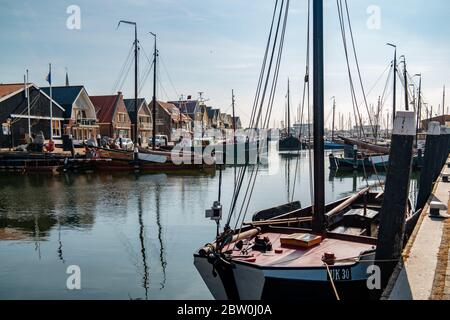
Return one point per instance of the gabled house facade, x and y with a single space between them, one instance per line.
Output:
112 115
80 115
195 110
145 122
169 118
14 114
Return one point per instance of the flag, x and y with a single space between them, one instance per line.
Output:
49 76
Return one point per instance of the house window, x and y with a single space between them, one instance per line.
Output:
56 128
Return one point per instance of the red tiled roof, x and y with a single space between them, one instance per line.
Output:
105 107
6 89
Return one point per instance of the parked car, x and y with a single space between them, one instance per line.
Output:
161 140
127 143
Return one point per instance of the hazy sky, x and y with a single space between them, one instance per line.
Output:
218 45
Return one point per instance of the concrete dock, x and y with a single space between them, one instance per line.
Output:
424 273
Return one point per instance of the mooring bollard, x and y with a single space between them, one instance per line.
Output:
430 163
442 152
393 210
445 132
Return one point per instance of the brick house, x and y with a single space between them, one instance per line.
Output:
112 115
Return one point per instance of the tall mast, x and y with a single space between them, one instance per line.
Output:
405 76
234 116
136 107
419 109
51 101
443 104
289 110
27 91
318 222
155 53
334 112
394 94
135 140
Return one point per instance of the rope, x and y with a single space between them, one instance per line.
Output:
357 66
128 61
352 87
332 282
305 88
259 99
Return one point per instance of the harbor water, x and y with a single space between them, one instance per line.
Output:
132 236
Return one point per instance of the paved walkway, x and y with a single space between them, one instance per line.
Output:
425 273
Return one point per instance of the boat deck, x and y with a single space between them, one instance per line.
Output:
289 257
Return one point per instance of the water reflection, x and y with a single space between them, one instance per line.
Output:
145 278
132 236
160 236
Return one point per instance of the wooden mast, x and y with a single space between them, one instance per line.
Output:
155 53
318 223
289 111
334 113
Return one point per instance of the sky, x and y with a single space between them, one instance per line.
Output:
215 46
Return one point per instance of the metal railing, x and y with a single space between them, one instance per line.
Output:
86 122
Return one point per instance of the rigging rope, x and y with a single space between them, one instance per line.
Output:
306 88
243 170
128 61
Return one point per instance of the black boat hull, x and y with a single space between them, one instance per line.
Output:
243 281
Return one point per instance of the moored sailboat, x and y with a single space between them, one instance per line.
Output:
320 252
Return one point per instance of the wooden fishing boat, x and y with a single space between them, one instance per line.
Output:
368 163
291 144
333 145
318 253
26 162
150 161
254 264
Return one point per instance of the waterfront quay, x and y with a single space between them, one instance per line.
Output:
424 273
